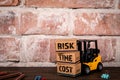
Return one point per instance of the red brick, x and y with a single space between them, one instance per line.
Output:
36 49
28 22
9 2
117 58
71 3
52 51
2 54
107 49
97 24
8 22
54 23
9 49
49 23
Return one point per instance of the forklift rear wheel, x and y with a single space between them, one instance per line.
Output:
87 70
99 67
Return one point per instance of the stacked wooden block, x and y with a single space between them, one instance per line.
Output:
68 57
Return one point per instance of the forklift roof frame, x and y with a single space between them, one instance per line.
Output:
85 44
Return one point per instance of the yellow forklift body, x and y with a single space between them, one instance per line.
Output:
93 65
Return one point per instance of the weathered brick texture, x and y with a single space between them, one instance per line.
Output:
52 51
107 49
71 3
8 22
9 2
28 23
35 49
44 23
97 24
117 58
9 49
28 28
54 22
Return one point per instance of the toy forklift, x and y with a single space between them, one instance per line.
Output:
77 56
90 58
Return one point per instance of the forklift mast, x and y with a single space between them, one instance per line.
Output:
84 46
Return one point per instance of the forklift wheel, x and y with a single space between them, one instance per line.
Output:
87 70
99 67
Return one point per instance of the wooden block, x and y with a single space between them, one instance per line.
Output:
66 44
71 57
69 69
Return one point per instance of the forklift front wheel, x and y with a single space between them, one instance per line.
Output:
87 70
99 67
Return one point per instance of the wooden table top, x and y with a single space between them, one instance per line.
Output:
50 73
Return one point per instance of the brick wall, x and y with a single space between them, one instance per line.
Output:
28 29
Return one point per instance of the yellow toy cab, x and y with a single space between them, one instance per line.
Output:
90 55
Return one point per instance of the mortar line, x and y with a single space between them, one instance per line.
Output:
54 35
61 9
